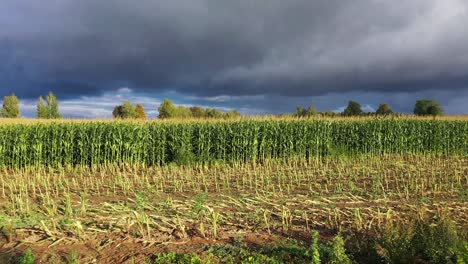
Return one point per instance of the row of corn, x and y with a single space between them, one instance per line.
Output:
159 143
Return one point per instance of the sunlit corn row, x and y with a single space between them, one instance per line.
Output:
159 143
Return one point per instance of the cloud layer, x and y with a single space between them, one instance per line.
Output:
212 49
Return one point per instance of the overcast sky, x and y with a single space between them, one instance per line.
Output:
257 56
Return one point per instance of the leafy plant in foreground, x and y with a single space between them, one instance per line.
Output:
27 257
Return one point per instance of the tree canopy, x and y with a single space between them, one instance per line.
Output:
428 107
302 112
198 112
330 113
140 112
183 112
125 111
42 111
213 113
49 109
232 114
353 109
168 109
384 109
10 107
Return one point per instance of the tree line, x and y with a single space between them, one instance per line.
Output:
423 107
128 111
49 109
168 109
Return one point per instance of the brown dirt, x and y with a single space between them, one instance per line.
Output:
114 248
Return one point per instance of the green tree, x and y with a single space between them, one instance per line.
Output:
353 109
232 114
42 111
183 112
421 107
300 112
428 107
167 109
140 112
311 111
213 113
384 109
435 110
128 110
117 112
198 112
125 111
330 113
10 107
52 107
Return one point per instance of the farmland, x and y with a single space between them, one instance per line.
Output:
242 191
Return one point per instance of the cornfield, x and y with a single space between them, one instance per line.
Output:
159 143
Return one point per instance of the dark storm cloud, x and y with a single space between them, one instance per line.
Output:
211 47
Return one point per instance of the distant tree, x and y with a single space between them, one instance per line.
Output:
140 112
300 112
435 110
232 114
42 111
167 109
128 110
198 112
52 107
311 111
125 111
384 109
183 112
117 112
213 113
353 109
329 113
421 107
427 107
10 107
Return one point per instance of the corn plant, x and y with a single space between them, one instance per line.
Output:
95 144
